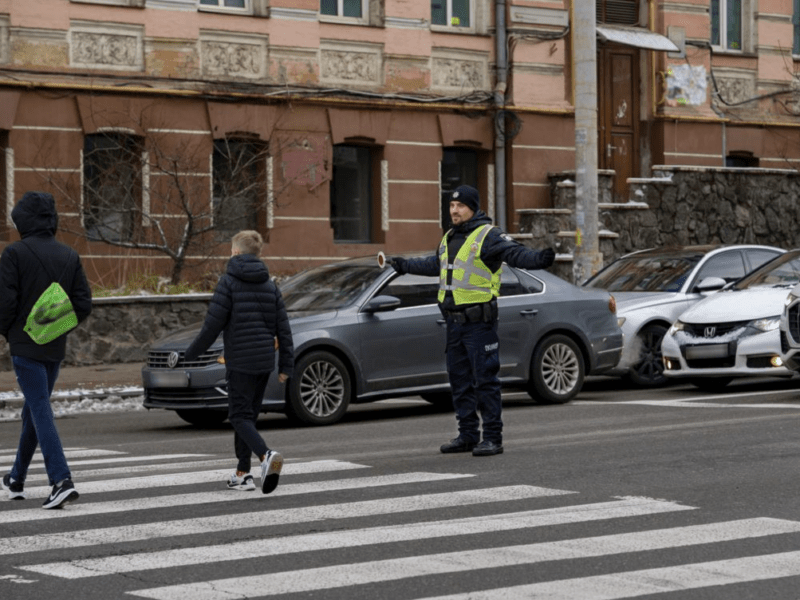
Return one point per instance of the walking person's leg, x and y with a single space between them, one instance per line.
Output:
459 372
36 380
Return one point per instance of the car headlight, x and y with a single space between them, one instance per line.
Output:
789 299
766 324
620 321
676 327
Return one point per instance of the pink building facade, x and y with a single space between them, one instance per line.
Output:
338 127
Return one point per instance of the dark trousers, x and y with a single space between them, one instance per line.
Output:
36 380
473 362
245 395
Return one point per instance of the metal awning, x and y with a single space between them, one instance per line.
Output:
635 36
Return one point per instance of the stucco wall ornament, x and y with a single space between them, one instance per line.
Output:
462 74
220 58
349 66
104 49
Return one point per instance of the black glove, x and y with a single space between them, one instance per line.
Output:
548 257
398 263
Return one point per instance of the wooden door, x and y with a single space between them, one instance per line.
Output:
618 114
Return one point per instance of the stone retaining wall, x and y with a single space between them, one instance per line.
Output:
677 206
121 329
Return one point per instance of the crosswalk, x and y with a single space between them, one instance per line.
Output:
339 529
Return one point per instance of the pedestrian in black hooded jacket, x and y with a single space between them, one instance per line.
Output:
27 268
247 308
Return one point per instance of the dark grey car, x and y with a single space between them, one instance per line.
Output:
362 333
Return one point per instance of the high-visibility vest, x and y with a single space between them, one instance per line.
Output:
471 281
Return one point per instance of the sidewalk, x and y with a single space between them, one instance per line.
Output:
119 375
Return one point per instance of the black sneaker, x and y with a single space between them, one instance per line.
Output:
64 491
14 488
458 444
487 448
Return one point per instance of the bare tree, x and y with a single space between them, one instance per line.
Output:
168 194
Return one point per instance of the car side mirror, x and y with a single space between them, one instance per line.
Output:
381 304
710 284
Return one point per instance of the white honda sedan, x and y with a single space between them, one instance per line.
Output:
735 332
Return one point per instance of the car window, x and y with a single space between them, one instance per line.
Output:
666 273
784 271
728 265
759 257
413 290
512 285
329 287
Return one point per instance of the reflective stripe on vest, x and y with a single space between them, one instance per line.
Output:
472 281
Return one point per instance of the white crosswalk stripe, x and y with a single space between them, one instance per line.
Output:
378 532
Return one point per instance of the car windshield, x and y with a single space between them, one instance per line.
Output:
784 271
329 287
665 273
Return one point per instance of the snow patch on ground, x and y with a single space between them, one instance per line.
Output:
94 401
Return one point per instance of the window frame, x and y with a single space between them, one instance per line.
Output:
131 147
372 222
221 8
339 17
448 26
723 9
259 155
796 28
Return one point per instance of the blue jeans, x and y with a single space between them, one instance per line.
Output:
245 395
473 362
36 380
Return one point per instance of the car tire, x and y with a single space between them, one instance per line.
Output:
711 384
442 400
649 371
203 417
557 370
319 391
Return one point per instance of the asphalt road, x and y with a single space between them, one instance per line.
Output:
623 493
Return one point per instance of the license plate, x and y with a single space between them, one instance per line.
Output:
168 379
707 351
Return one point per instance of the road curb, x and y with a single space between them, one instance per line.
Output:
75 396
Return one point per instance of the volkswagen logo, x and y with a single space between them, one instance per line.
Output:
709 332
172 360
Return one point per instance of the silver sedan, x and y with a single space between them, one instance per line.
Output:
362 333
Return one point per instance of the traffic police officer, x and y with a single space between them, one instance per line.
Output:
468 264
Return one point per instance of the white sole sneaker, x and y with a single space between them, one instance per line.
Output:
242 484
13 494
61 495
271 471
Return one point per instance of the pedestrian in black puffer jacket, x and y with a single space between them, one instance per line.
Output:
247 308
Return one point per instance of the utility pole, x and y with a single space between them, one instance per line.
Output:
587 259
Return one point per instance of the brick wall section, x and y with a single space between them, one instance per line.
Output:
677 206
121 330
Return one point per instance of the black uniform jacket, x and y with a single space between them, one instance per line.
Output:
497 248
247 308
23 278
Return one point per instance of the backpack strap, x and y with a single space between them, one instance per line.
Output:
44 266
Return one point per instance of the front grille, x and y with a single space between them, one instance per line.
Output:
794 321
720 329
712 363
784 343
159 360
185 394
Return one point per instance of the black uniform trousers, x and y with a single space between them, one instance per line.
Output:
473 362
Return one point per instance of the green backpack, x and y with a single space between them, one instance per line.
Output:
52 315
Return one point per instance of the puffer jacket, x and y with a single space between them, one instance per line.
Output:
23 278
247 308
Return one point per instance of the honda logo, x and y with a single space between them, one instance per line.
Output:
709 332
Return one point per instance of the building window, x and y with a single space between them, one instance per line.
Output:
726 24
342 8
741 158
226 5
451 13
112 186
353 193
5 191
239 173
618 12
459 167
796 28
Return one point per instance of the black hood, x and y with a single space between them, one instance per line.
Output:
478 219
248 267
35 214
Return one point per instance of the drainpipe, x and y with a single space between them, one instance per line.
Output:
500 122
